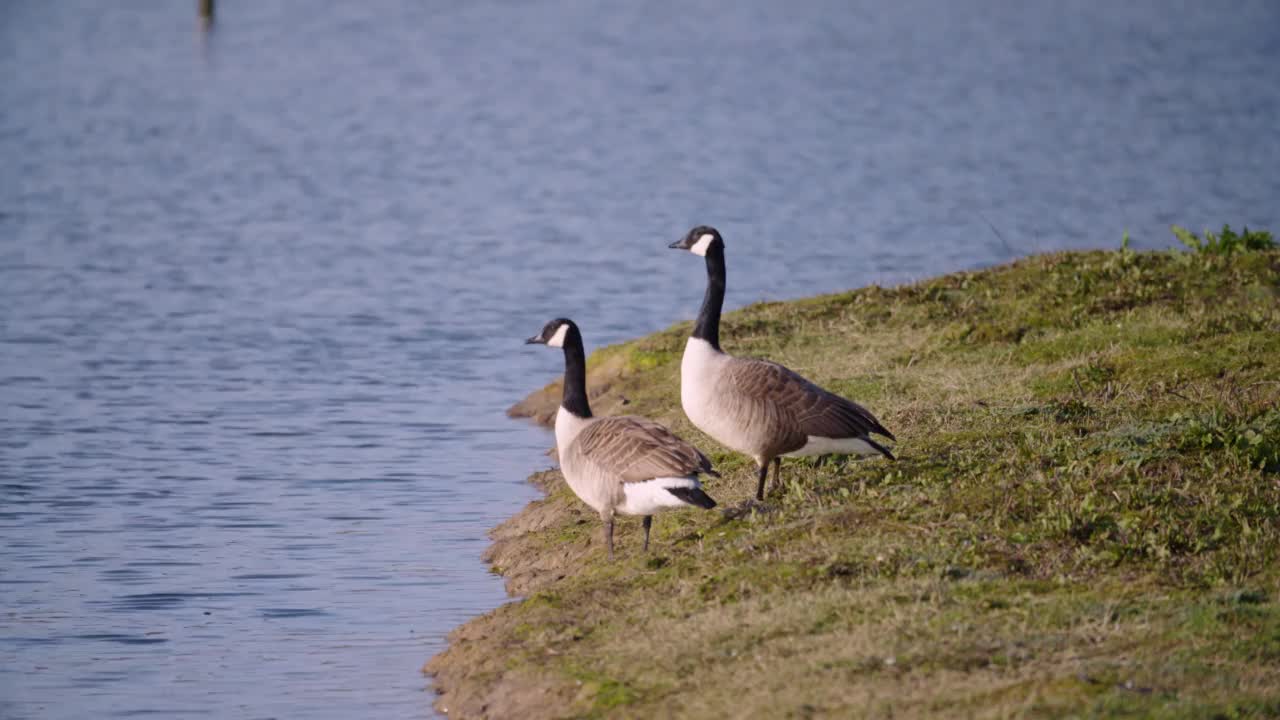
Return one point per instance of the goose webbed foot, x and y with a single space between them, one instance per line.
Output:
648 523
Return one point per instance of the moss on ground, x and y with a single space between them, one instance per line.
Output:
1084 518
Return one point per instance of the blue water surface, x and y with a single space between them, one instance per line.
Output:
263 288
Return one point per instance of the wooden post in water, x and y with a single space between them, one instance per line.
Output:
206 12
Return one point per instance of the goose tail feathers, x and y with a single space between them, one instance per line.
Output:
693 496
879 448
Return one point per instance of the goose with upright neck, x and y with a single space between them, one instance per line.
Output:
757 407
623 464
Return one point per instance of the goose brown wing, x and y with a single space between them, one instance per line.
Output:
637 449
816 412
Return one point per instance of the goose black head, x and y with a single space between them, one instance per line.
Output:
699 240
555 333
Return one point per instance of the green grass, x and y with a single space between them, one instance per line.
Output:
1084 519
1223 243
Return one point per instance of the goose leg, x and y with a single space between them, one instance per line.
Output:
777 472
608 535
764 473
648 522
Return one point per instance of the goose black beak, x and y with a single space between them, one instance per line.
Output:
681 244
535 340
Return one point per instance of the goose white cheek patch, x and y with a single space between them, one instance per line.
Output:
704 242
557 340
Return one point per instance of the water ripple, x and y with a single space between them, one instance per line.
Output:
166 600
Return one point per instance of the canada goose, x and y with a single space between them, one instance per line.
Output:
622 464
757 407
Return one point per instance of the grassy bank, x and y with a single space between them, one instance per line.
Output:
1084 519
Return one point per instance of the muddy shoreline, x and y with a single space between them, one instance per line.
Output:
469 684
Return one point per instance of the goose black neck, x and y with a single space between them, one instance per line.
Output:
575 376
707 326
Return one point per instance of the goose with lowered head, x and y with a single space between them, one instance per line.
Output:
622 464
757 407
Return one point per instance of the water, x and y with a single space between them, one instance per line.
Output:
262 291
